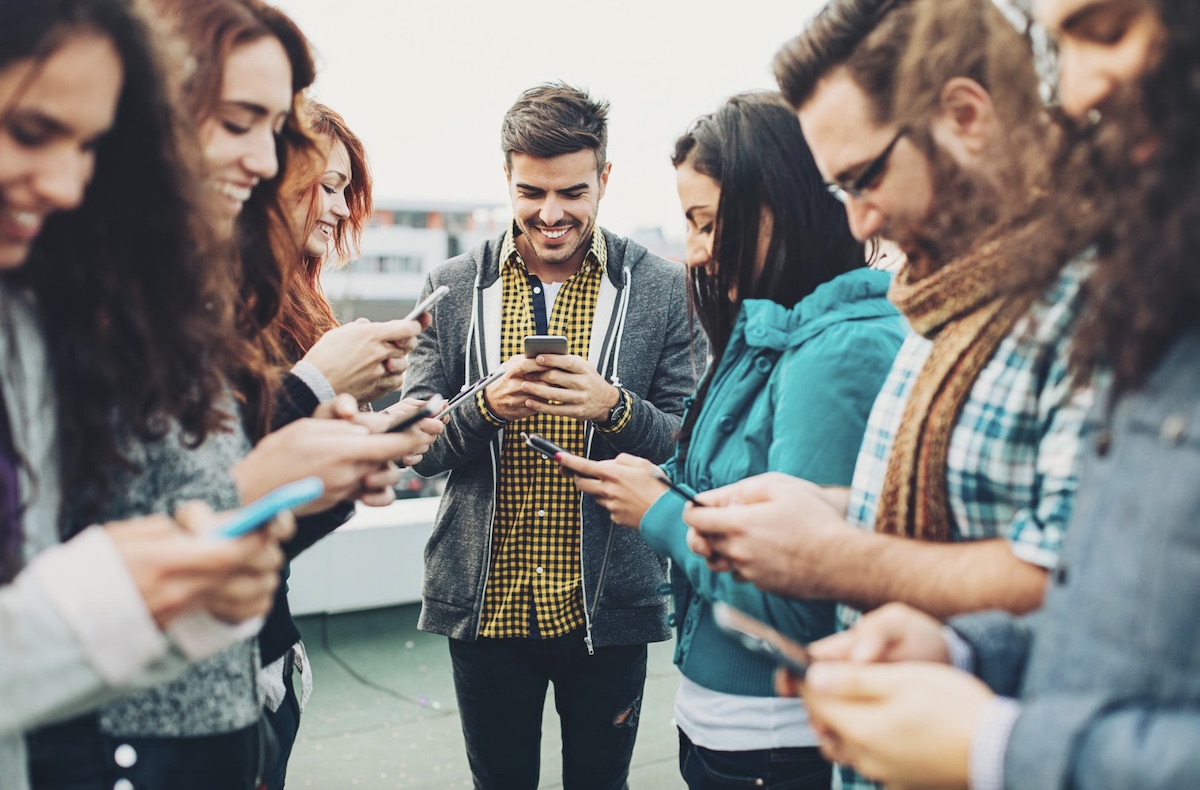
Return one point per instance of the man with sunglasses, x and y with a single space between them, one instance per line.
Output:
933 139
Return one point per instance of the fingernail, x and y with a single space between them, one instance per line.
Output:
558 456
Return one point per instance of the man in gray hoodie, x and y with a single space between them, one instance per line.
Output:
530 580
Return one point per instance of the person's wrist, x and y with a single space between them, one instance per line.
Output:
488 410
614 412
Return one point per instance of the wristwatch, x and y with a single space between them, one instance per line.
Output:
616 412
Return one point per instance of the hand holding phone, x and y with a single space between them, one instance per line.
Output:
430 408
428 302
252 516
762 638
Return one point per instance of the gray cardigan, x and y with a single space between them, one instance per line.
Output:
642 340
1108 671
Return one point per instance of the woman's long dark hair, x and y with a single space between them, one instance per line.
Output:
139 333
753 148
1143 217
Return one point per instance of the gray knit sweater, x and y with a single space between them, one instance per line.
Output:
220 694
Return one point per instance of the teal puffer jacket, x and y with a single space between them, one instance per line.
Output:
791 394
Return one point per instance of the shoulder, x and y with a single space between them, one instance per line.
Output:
627 253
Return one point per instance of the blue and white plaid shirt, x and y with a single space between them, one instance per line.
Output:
1011 463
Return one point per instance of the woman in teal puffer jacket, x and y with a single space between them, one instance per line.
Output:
802 337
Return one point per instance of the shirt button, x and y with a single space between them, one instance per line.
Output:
671 619
541 514
1174 429
726 424
123 784
539 570
125 756
537 289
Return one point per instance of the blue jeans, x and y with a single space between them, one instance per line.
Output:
501 687
799 768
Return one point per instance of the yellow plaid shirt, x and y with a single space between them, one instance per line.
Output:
535 569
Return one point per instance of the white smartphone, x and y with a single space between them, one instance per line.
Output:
428 302
467 393
761 638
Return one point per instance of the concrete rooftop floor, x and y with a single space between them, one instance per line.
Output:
396 725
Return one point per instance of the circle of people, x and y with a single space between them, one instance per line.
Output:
925 526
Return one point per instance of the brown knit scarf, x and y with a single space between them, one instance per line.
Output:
967 307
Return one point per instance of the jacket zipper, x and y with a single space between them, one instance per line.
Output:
615 332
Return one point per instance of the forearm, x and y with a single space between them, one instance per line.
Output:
74 633
310 529
866 570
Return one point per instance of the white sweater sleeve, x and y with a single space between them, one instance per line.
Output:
74 633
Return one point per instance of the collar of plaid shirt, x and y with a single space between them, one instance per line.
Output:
597 255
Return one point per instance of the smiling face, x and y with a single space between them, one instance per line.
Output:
52 113
555 202
331 208
1104 47
845 140
239 138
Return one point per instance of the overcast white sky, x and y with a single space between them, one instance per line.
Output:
426 84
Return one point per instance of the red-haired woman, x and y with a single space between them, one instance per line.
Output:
363 358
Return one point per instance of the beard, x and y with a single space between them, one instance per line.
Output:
556 255
967 204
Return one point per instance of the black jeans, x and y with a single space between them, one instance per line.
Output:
285 723
501 687
75 755
800 768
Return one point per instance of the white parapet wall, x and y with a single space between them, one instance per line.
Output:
375 559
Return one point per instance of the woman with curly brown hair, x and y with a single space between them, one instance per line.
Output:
248 67
112 325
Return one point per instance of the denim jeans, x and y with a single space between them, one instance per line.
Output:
285 723
501 686
77 756
799 768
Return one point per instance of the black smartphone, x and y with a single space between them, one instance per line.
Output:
430 408
467 393
545 344
762 638
543 445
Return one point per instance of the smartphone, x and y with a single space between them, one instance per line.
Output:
762 638
425 304
543 445
260 511
430 408
467 393
545 344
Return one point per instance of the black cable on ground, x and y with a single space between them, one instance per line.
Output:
341 662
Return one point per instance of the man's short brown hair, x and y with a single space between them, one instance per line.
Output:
868 37
553 119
